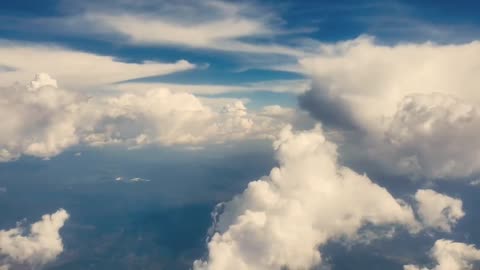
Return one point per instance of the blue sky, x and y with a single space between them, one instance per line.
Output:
239 135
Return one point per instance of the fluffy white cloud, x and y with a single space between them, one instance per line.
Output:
42 120
42 244
437 210
38 119
451 255
408 100
75 69
434 135
372 79
282 219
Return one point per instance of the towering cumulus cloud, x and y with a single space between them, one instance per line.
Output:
451 255
42 119
38 119
283 219
42 244
414 112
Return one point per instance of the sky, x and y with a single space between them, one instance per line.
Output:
245 135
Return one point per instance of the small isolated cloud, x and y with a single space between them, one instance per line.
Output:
39 245
277 86
308 195
138 179
450 255
437 210
475 182
3 189
131 180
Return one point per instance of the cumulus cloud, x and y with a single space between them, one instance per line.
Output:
282 219
38 119
438 210
451 255
41 119
433 135
42 243
406 102
372 79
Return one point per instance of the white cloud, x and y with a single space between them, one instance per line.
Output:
131 180
407 99
451 255
42 244
213 25
38 119
42 120
438 210
475 182
277 86
138 179
372 79
434 136
308 195
75 69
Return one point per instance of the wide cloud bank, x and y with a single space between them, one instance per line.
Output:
41 119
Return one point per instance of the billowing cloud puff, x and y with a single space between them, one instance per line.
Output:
437 210
372 79
42 244
38 119
407 102
42 120
451 255
434 135
282 219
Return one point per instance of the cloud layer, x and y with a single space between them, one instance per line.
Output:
41 119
